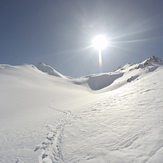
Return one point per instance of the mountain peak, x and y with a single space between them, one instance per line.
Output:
152 59
49 70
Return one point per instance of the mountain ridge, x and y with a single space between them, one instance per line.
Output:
96 82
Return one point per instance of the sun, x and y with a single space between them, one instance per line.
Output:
100 42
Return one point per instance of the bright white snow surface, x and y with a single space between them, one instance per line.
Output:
113 117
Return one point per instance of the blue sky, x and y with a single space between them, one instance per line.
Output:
59 32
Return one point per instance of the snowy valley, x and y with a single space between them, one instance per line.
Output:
114 117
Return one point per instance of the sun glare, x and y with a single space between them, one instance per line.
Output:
100 42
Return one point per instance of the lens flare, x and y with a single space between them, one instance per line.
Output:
100 61
100 42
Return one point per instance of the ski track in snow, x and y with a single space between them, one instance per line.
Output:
52 145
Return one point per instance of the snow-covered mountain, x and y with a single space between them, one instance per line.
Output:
49 70
152 62
122 76
114 117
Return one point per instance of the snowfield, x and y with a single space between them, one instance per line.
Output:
114 117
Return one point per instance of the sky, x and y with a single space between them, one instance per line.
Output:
59 33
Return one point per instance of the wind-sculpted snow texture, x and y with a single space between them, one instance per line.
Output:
124 126
114 117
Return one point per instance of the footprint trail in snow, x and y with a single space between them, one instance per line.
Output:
52 145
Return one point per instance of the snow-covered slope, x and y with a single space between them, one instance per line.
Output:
132 72
124 126
27 98
46 117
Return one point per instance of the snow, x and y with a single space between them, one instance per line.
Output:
49 70
111 117
124 126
